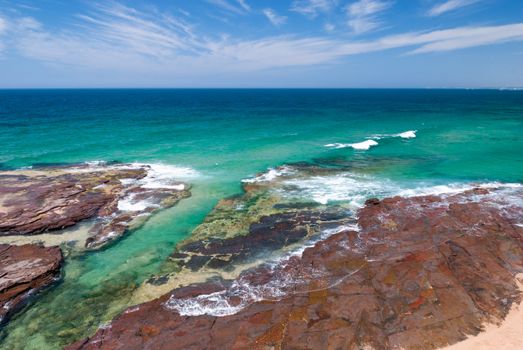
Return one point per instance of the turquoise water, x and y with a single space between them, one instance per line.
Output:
226 136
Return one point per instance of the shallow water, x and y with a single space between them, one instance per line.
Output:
226 136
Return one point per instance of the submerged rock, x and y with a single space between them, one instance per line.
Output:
25 270
36 201
418 273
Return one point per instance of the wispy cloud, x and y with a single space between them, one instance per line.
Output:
239 7
244 5
3 29
363 15
273 17
329 27
117 37
312 8
449 5
3 25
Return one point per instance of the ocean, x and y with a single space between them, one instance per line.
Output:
395 140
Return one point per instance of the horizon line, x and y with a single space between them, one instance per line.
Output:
509 88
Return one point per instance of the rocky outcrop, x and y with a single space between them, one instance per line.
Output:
25 270
35 201
419 273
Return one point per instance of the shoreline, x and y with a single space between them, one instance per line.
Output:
450 270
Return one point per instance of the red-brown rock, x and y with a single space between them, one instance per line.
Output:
46 199
24 270
420 273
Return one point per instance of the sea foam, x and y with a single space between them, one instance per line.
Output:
159 176
354 189
407 134
281 283
360 146
270 175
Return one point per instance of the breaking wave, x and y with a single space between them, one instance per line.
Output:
371 142
355 189
159 176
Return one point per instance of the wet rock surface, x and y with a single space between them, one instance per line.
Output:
419 273
271 233
25 270
49 199
248 229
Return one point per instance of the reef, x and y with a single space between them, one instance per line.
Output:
24 271
413 272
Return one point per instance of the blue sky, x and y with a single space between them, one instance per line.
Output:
273 43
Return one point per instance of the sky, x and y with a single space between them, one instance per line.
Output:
255 43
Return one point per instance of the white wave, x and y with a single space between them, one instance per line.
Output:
96 163
166 176
158 170
347 187
270 175
129 203
361 146
366 145
355 189
407 134
159 176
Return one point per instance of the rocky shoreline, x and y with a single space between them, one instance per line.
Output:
116 197
402 272
79 207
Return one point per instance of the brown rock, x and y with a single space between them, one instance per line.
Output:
53 198
24 270
420 274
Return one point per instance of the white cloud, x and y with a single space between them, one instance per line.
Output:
240 8
311 8
449 5
363 15
273 17
119 38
